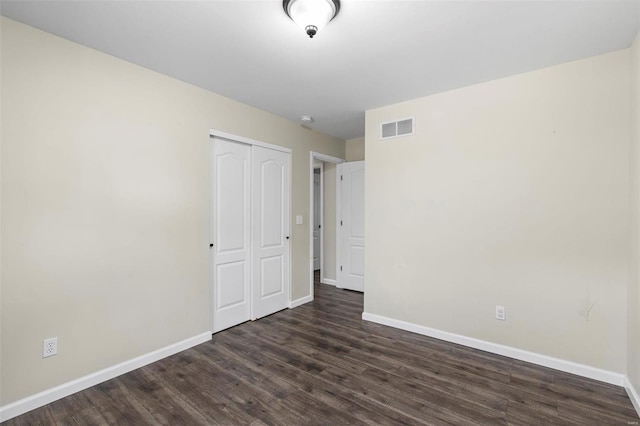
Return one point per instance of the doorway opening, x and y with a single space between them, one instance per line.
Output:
318 213
323 219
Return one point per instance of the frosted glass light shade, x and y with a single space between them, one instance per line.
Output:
311 15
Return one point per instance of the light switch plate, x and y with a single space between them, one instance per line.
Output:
299 219
501 313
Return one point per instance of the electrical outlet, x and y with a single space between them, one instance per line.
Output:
501 313
50 347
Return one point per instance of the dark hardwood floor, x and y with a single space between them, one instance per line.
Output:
321 364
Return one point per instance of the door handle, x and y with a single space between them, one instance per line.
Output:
287 237
210 245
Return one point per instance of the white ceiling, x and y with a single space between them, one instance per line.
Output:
374 53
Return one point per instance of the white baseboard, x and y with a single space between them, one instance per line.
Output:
328 281
633 394
534 358
301 301
32 402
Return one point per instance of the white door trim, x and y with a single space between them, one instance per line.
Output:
235 138
326 158
313 157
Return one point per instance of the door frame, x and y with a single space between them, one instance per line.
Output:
217 134
313 158
319 166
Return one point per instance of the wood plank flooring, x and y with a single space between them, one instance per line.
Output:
320 364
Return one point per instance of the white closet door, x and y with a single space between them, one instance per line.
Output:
270 233
231 271
352 225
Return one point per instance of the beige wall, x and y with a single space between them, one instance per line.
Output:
105 206
633 362
354 149
513 192
329 221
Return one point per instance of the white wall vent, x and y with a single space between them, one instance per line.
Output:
394 129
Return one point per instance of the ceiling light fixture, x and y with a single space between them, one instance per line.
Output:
311 15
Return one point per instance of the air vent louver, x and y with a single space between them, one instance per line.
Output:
394 129
389 130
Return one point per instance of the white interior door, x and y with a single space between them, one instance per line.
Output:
231 168
317 209
351 225
271 227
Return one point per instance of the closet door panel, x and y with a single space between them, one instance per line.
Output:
270 233
231 250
